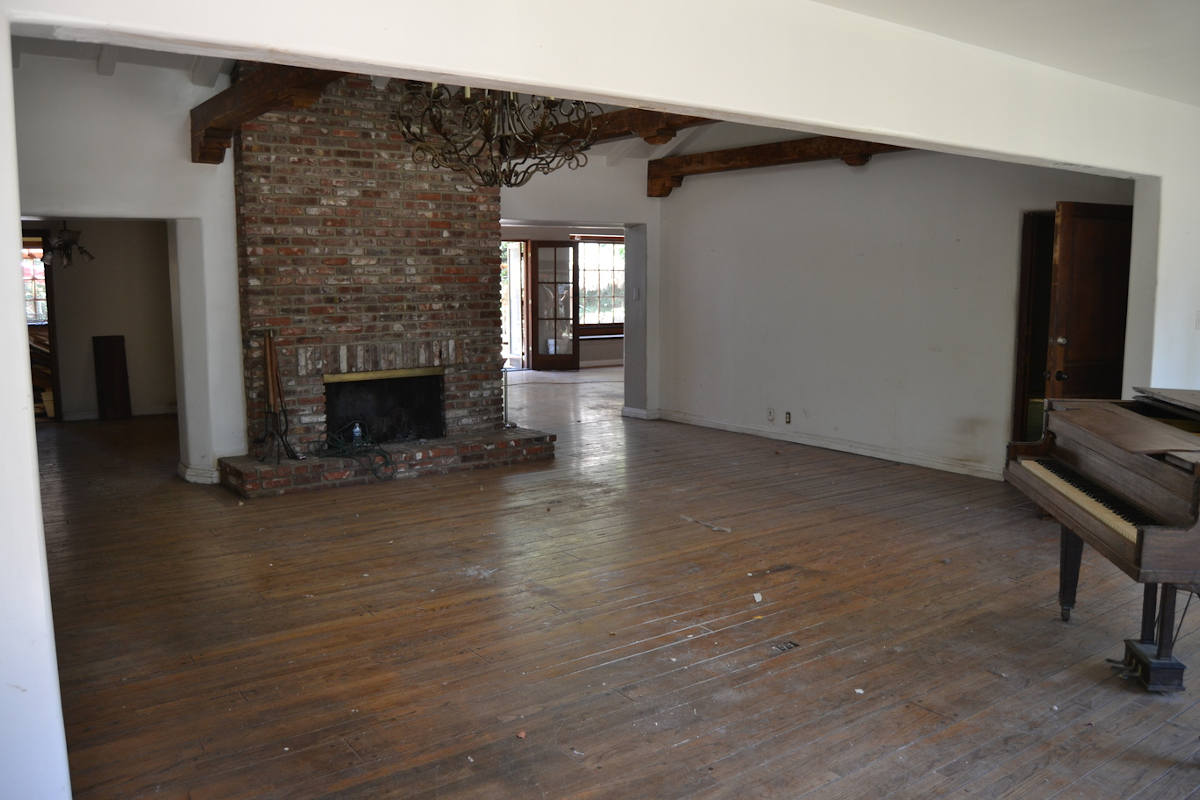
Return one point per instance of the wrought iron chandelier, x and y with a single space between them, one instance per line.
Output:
62 246
495 138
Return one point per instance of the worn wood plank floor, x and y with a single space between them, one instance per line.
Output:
590 628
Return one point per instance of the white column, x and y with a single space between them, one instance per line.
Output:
33 750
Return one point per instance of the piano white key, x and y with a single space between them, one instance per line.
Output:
1082 499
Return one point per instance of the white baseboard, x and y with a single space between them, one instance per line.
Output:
639 413
843 445
198 474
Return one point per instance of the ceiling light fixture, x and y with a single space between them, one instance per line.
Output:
62 246
495 138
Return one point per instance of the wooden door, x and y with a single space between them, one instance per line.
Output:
553 305
1089 293
1033 323
112 377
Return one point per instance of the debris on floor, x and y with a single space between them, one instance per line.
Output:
711 526
520 734
758 597
858 691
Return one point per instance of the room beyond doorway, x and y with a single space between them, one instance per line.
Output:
562 401
562 290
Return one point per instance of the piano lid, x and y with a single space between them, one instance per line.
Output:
1124 428
1183 398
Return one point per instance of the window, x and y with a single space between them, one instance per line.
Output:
601 287
33 272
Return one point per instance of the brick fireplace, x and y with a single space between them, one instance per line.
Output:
360 260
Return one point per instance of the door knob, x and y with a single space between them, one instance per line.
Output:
1061 340
1060 376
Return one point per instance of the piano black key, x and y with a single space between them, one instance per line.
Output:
1122 508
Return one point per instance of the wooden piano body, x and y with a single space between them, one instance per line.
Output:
1124 476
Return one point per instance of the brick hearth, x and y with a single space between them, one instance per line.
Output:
250 477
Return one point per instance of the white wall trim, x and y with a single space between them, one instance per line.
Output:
640 413
836 443
198 474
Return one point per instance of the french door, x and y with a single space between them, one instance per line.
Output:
553 296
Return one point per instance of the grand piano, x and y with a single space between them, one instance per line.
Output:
1124 477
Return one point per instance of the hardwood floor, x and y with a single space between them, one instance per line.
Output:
664 611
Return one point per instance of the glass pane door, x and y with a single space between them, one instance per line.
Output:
555 274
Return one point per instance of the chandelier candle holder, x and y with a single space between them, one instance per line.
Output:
495 138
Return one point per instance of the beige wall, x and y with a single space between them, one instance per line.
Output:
124 292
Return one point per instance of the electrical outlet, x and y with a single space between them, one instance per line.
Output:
770 415
787 417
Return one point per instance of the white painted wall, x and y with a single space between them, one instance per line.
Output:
124 292
808 67
117 147
877 304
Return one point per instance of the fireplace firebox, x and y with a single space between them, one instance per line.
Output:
394 406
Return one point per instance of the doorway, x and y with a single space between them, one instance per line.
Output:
513 256
1074 293
553 278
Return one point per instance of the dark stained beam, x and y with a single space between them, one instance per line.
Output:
664 174
269 87
656 127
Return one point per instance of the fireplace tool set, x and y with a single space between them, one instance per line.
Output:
276 418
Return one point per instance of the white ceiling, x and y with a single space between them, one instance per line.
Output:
1152 46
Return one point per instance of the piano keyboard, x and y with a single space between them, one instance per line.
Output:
1110 510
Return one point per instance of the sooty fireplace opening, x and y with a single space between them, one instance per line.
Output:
388 409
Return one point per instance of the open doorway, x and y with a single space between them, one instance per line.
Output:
108 321
1074 293
513 255
562 297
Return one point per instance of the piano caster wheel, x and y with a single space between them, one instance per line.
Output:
1066 613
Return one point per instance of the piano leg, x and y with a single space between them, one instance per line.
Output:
1070 551
1149 612
1150 658
1166 622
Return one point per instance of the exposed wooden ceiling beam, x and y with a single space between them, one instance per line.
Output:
270 87
656 127
664 174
